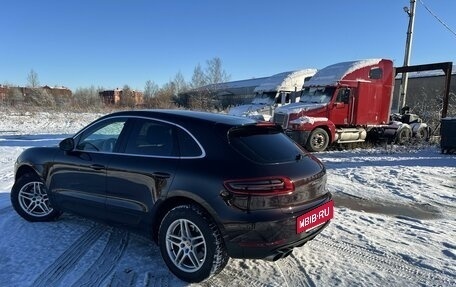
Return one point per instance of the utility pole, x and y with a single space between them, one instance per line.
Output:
408 47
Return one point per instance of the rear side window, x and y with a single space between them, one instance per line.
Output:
156 138
187 145
264 144
151 138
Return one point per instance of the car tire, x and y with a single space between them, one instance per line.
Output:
191 244
318 140
30 199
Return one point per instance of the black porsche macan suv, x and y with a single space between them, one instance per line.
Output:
205 186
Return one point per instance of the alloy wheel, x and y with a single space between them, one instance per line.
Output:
186 245
34 200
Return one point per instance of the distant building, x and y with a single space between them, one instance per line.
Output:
58 93
425 87
117 96
110 97
3 92
224 94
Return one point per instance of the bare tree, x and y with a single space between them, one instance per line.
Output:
41 98
199 98
15 96
32 79
215 74
150 89
179 84
87 98
198 78
163 99
127 97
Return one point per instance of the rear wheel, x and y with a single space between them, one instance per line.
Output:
30 199
422 134
403 136
318 140
191 244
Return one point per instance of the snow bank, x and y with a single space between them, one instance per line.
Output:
286 81
14 122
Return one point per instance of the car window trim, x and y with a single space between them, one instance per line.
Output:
122 135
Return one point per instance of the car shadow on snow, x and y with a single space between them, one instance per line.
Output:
413 210
422 158
5 202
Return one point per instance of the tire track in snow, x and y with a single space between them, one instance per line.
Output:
64 264
231 276
388 263
130 278
105 263
156 280
124 278
293 273
6 210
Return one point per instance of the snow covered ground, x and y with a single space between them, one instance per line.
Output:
394 225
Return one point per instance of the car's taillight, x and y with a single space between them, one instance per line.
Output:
261 186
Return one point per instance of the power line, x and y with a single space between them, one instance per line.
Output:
436 17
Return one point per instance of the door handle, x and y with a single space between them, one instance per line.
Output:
97 166
163 175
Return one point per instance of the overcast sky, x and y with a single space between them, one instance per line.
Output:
112 43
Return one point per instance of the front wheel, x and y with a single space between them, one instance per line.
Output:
191 244
30 199
318 140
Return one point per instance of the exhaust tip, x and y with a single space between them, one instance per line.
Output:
279 255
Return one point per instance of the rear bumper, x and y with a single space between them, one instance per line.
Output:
284 251
270 240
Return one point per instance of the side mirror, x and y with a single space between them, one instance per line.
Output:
67 144
339 105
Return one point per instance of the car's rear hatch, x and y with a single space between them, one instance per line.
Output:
282 175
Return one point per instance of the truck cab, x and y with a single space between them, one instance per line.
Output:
276 91
340 103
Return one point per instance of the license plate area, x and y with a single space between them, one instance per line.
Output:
315 217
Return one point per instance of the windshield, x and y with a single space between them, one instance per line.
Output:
264 98
319 95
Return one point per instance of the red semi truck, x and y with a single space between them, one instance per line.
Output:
348 102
